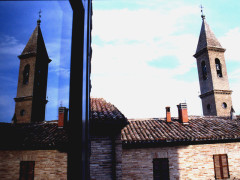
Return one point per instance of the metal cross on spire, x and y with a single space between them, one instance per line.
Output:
203 16
39 15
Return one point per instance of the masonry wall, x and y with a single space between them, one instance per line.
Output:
185 162
106 158
49 164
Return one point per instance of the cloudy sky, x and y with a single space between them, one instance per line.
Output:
142 52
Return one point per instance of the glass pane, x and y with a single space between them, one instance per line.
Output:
218 172
15 31
225 172
224 160
216 161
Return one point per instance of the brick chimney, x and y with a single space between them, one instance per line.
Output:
62 116
182 112
168 114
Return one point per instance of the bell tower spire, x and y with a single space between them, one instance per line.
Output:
31 100
212 73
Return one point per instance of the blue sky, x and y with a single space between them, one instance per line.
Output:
142 52
18 20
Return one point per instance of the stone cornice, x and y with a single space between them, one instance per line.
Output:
197 54
216 91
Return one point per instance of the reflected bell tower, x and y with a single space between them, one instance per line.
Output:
30 101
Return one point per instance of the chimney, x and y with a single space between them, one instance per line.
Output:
168 114
182 113
62 116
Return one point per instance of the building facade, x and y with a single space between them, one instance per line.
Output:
193 148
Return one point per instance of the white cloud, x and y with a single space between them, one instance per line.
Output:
127 40
10 45
131 39
141 25
230 41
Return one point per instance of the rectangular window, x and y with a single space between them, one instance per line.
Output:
27 170
160 169
221 166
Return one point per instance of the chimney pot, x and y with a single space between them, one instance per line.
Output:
62 116
182 112
168 114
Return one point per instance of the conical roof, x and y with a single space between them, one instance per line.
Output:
35 42
207 38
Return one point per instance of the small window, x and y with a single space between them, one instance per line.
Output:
224 105
27 170
221 166
22 112
160 169
204 70
26 74
218 67
209 107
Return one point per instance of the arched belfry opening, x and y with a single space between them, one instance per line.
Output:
218 67
204 70
26 74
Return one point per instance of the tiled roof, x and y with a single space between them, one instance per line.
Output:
207 38
103 111
47 135
198 129
43 135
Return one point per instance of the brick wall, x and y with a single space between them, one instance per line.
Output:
103 156
49 164
185 162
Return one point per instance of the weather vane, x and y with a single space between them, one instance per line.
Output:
39 15
203 16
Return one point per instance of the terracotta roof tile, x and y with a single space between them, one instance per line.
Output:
47 135
198 129
34 136
105 111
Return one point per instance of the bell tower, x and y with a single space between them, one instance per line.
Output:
32 80
212 73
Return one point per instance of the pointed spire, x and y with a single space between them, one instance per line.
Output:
206 37
35 41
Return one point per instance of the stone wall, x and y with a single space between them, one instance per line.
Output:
106 158
49 164
185 162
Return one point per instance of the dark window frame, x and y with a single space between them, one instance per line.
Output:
79 99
